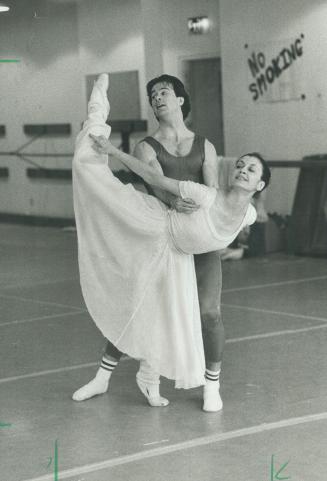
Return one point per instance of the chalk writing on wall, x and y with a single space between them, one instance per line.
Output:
274 70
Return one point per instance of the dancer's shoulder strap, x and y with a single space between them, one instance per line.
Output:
154 144
200 141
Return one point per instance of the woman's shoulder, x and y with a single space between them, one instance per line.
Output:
198 192
251 215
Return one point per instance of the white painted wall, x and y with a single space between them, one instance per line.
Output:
42 88
178 43
111 39
56 52
288 130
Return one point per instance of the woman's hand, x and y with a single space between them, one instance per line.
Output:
102 145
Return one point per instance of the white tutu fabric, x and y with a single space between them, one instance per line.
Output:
139 289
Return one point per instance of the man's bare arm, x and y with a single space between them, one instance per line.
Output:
145 153
210 165
148 173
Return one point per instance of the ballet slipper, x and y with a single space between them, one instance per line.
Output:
98 105
151 392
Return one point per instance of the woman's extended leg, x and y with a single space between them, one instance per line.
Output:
147 380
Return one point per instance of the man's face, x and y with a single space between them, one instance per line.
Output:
164 100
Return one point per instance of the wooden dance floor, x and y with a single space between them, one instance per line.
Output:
274 380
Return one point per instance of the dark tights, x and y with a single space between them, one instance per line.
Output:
209 280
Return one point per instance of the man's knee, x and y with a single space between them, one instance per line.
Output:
211 318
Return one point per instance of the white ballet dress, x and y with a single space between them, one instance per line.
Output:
135 261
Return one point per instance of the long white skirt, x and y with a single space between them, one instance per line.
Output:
140 291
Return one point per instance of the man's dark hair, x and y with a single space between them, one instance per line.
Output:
266 172
178 88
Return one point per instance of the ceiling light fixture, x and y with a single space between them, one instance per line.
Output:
3 8
198 25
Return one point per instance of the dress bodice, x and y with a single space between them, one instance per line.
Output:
195 233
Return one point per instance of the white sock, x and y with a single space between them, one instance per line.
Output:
212 375
99 384
211 397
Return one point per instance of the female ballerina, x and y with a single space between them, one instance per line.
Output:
135 255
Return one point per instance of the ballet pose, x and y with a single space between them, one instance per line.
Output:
135 255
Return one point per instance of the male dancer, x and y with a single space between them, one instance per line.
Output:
182 155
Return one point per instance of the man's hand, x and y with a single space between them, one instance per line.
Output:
102 145
185 206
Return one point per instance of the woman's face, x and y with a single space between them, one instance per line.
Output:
247 174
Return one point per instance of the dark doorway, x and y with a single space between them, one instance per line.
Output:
203 81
